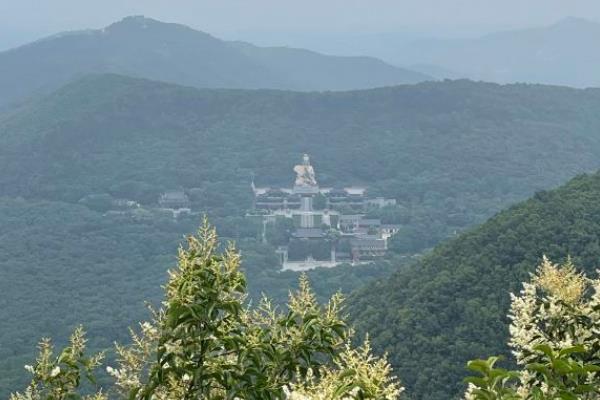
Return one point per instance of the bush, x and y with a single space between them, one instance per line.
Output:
555 337
205 344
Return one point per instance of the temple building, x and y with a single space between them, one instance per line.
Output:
327 222
174 200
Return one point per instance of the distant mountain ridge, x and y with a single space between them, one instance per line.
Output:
565 53
146 48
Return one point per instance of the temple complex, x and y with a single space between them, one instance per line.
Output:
324 224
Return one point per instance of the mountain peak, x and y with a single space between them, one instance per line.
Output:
134 22
142 26
136 18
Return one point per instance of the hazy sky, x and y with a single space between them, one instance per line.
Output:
25 20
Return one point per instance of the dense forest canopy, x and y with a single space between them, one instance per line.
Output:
451 153
451 306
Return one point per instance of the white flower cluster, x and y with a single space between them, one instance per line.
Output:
55 371
469 394
560 309
357 374
58 377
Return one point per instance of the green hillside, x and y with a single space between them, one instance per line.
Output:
147 48
449 308
451 153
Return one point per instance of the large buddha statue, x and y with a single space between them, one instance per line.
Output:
305 173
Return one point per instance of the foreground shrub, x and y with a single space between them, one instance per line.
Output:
555 337
204 343
59 377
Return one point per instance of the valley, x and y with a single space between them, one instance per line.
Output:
451 154
440 203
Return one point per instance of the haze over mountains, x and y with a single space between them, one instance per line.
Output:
147 48
565 53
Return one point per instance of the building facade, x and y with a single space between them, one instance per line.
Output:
325 220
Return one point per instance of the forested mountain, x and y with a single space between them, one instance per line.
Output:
451 306
451 153
565 53
147 48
